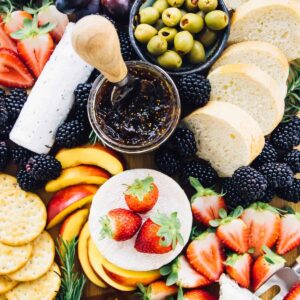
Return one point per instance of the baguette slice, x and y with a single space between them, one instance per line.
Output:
273 21
226 136
234 4
261 54
253 90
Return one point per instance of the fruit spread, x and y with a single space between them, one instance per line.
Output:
145 114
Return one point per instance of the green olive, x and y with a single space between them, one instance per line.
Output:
170 60
201 14
168 34
208 37
157 45
207 5
191 5
176 3
148 15
197 54
216 20
160 5
144 32
183 42
171 16
192 23
159 24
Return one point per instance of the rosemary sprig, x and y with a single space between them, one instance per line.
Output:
72 283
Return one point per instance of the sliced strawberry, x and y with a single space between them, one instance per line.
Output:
5 40
159 235
142 195
289 234
50 14
13 73
182 273
265 266
120 224
263 221
238 267
157 290
198 295
15 20
294 293
233 232
206 203
206 256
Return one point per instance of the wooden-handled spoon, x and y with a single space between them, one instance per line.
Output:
96 41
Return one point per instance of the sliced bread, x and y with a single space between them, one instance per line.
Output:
261 54
234 4
273 21
252 89
226 136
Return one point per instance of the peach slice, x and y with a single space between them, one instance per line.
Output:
67 201
84 259
77 175
91 155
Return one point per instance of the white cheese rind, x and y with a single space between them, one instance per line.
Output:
51 98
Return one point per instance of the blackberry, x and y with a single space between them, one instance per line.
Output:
201 170
231 196
71 134
292 158
194 89
27 182
269 195
81 93
5 130
4 155
15 101
290 193
268 154
183 141
167 161
43 167
3 112
278 175
287 134
21 155
127 50
249 184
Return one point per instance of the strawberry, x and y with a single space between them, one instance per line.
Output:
120 224
289 233
180 272
157 290
205 203
294 293
159 234
196 295
13 73
206 256
265 266
232 231
142 195
5 40
263 221
35 45
14 21
238 268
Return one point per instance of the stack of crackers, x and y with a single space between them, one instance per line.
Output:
27 267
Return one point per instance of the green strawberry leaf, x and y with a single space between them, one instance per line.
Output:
222 213
140 188
165 270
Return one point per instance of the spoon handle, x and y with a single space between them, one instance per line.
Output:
96 41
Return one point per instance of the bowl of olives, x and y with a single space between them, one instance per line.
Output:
181 36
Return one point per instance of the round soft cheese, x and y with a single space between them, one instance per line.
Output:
111 195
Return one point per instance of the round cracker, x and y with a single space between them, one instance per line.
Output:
44 288
22 217
8 182
40 261
6 284
13 258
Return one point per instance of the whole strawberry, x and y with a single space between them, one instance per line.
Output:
120 224
142 195
159 234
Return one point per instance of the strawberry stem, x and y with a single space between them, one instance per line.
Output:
141 187
201 191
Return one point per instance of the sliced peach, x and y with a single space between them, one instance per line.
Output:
91 155
67 201
94 254
77 175
84 259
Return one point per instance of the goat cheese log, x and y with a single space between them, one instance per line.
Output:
51 98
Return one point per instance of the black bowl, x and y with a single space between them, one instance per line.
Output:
213 52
